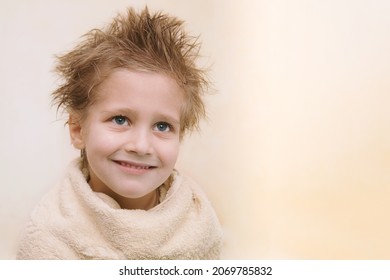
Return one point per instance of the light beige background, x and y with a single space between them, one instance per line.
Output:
295 155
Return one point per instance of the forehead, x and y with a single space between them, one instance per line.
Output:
144 89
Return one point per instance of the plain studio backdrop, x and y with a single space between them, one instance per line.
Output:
295 155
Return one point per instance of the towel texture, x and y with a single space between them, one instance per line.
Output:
73 222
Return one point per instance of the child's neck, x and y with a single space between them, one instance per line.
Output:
144 203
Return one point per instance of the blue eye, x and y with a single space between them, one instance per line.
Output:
120 120
163 127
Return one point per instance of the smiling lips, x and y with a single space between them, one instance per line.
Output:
134 168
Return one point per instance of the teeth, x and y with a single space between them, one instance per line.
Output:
133 166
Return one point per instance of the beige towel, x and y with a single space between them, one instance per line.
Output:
73 222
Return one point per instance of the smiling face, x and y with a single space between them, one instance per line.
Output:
131 135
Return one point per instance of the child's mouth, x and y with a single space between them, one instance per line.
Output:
134 166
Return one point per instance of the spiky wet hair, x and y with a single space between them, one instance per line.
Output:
136 41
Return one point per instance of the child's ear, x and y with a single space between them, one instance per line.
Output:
75 131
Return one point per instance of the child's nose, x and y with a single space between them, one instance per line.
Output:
139 142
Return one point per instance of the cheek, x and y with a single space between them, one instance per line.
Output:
171 152
99 142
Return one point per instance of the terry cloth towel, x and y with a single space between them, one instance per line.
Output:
73 222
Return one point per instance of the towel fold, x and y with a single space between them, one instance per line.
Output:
73 222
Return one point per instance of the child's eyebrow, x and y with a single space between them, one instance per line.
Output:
119 111
169 119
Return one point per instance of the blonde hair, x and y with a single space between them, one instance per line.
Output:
137 41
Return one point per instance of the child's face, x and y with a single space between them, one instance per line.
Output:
131 134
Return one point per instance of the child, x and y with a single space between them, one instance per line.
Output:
132 91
